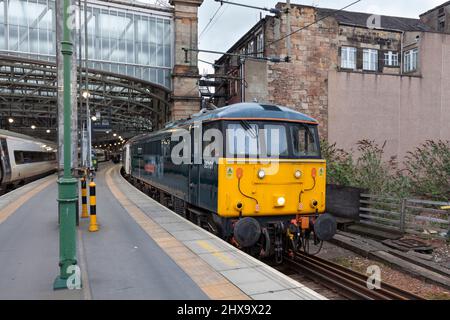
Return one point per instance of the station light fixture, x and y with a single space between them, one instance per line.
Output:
85 94
48 131
114 134
11 120
94 118
33 127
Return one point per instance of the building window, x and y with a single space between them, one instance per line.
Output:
391 59
348 58
370 59
441 23
410 63
251 48
243 52
260 45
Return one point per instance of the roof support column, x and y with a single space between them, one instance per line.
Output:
185 97
74 89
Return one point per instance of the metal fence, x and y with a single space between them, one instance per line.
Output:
407 216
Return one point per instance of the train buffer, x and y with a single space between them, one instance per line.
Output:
142 251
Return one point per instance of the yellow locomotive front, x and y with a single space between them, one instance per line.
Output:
255 188
272 185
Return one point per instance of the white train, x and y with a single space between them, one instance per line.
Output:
102 155
23 158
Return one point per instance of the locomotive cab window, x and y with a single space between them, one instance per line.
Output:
242 139
275 140
304 141
266 139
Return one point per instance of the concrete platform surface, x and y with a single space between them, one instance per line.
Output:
142 251
250 276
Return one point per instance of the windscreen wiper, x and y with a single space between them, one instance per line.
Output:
248 128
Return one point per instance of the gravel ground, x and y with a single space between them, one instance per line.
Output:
392 276
441 254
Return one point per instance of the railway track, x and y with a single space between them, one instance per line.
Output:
347 283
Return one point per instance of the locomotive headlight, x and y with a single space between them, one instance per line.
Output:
261 174
298 174
281 201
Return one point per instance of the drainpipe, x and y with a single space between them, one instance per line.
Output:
242 75
288 26
401 52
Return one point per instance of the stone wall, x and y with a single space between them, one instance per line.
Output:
434 16
302 84
185 95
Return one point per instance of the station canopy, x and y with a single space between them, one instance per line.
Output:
129 60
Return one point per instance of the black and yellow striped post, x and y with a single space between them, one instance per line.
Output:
93 226
84 208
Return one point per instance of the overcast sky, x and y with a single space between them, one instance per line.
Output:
232 22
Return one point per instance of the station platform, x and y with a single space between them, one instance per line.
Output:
142 251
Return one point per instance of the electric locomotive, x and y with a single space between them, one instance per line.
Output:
263 191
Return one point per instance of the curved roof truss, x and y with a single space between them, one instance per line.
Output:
28 94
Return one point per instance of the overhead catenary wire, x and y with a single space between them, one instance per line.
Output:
271 10
210 21
217 19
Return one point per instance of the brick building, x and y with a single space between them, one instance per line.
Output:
354 72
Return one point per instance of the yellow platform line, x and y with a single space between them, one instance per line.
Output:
7 211
219 255
212 283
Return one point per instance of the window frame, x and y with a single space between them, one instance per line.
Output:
288 131
411 60
368 55
33 157
391 59
348 51
260 45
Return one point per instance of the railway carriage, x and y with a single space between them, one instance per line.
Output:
264 190
102 155
23 158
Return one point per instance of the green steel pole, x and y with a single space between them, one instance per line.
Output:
67 184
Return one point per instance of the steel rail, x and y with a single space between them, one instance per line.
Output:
351 284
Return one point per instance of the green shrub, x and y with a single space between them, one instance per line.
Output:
371 172
428 168
340 167
426 172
